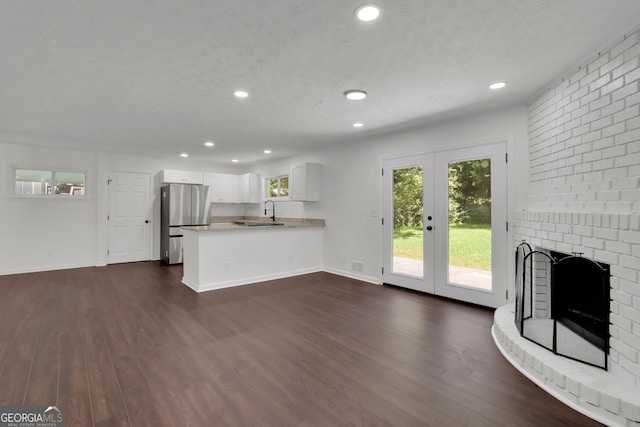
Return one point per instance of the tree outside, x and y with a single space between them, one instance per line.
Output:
470 192
408 208
469 214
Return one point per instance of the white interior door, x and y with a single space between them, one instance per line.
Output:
129 217
445 219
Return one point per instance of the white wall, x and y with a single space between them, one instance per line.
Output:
152 166
352 181
585 136
50 234
46 233
54 233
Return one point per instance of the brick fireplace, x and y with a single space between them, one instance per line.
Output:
584 196
563 303
588 230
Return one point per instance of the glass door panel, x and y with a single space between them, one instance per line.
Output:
444 223
407 204
408 210
470 224
469 231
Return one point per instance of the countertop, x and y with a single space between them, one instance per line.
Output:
227 223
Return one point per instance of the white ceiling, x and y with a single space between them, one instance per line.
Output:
157 76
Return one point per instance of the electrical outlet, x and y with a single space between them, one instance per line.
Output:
357 266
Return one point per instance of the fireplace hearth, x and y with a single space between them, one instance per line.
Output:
562 303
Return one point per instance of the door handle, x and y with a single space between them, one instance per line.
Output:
429 228
146 221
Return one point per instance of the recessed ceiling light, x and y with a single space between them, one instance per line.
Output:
497 85
358 125
209 144
355 95
235 160
241 93
367 12
267 151
184 155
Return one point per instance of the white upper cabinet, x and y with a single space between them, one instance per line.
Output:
223 188
304 182
249 188
228 188
181 177
211 179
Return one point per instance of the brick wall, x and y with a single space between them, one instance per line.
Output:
584 193
584 136
542 301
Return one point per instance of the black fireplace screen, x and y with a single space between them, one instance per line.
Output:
562 303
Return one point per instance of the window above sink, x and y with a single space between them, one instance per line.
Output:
277 187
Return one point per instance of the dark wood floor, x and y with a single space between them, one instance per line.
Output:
128 345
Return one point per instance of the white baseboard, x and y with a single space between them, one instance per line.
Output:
351 275
212 286
248 280
190 284
24 270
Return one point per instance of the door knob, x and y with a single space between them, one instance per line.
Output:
146 221
429 227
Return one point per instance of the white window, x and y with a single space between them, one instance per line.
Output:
277 186
31 182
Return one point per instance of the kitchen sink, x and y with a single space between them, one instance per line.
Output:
258 223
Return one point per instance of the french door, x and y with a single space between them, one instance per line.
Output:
444 227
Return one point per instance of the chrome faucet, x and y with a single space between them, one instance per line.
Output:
273 209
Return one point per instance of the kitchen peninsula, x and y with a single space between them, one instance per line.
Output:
241 250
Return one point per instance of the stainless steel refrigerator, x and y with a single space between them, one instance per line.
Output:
180 205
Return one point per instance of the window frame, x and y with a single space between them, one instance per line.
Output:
265 192
50 183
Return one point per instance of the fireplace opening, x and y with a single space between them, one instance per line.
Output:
580 297
562 303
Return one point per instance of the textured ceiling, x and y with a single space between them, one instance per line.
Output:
157 76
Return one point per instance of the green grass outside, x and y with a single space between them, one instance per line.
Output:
469 245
